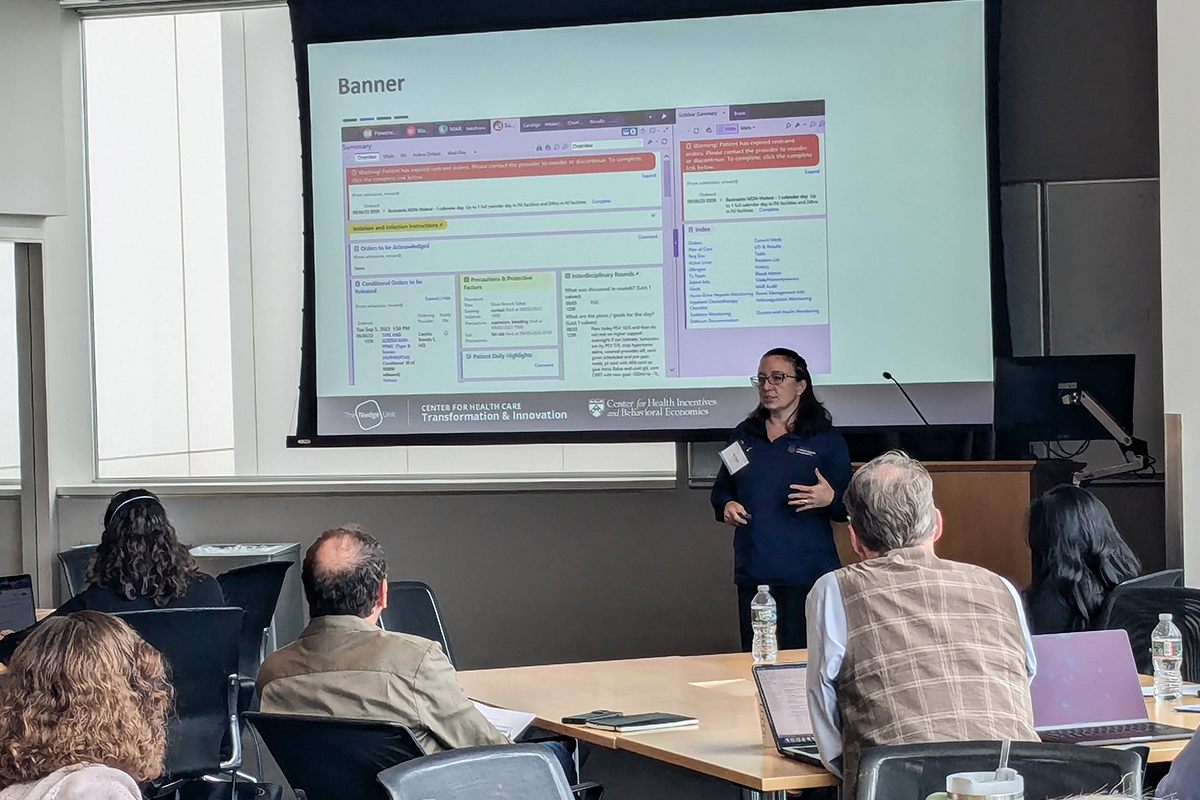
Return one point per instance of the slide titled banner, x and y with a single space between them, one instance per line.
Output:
600 229
562 248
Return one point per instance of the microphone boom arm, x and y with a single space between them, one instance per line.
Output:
888 375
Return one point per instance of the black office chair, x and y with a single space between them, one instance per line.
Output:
326 758
254 589
413 608
1136 612
500 772
75 563
200 648
1166 577
912 772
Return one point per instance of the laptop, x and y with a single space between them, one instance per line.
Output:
1087 692
783 691
16 603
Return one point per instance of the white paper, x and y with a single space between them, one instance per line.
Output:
511 723
734 458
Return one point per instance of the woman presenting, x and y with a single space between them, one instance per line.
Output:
780 485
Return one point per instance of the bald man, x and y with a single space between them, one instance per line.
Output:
344 665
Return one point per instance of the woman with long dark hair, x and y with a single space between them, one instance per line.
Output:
1078 558
139 565
780 486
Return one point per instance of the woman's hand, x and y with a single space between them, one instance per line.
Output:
736 514
806 498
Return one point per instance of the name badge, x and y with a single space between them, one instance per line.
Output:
734 458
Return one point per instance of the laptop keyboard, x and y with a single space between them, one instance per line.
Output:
1102 732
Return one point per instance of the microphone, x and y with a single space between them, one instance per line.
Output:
888 376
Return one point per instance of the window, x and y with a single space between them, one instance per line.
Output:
160 258
10 422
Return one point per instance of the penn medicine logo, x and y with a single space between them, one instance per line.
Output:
596 408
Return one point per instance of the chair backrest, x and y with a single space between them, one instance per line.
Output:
1136 612
329 758
200 648
254 589
498 772
413 608
75 563
1166 577
912 771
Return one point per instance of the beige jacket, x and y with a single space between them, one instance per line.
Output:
343 666
77 782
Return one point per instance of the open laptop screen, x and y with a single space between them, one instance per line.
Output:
1085 678
16 603
782 688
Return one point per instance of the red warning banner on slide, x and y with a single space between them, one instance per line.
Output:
506 168
759 152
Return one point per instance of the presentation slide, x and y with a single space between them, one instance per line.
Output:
603 228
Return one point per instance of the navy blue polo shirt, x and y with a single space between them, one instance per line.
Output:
780 546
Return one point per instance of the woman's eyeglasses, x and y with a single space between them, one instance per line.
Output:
775 378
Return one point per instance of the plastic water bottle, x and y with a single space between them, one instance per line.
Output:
1166 645
763 615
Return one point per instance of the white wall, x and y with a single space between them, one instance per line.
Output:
39 73
1179 132
32 173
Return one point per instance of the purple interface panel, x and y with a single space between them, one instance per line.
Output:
712 220
1085 678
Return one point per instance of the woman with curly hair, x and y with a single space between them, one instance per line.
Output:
1078 559
139 565
83 711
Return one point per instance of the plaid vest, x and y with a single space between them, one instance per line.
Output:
934 652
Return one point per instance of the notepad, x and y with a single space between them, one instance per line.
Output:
511 723
628 723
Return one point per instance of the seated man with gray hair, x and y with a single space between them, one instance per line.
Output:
906 647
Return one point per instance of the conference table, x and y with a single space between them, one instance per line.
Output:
718 690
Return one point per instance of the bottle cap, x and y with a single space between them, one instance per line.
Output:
1161 617
762 587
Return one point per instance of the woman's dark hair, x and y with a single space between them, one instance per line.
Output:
1077 550
139 554
811 416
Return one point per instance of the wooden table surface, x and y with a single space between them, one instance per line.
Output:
1166 713
718 690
